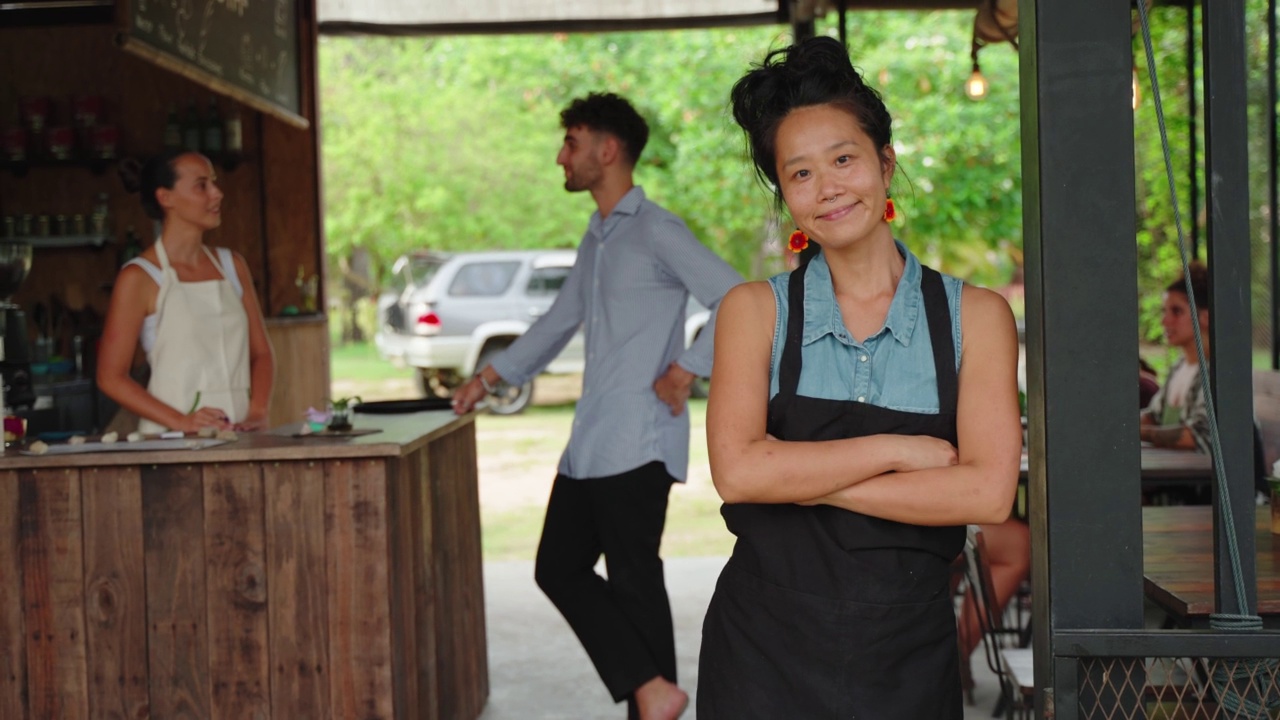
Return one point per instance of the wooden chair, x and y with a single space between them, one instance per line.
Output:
1012 665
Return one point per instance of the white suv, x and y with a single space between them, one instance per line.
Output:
447 315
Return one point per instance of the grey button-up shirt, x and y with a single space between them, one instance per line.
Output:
628 290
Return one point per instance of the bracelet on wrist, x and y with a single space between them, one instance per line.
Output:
489 389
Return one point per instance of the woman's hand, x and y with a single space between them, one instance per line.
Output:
923 452
204 417
253 422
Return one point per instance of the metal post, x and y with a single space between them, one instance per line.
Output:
1273 226
1082 327
842 10
1227 197
1193 161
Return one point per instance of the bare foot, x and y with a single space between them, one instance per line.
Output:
661 699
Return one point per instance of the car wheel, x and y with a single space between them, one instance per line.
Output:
433 383
508 399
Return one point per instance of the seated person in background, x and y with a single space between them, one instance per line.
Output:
1148 383
1176 416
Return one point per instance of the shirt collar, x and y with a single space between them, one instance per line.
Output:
628 204
822 313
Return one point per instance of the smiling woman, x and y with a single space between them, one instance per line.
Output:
851 433
193 311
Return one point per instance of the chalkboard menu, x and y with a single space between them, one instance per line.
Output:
247 49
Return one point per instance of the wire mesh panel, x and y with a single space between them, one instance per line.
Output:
1179 689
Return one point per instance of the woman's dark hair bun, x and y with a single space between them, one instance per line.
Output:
146 178
814 71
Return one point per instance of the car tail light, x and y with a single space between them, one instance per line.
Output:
427 323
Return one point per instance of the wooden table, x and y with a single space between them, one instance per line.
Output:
1177 561
1161 466
273 578
1161 469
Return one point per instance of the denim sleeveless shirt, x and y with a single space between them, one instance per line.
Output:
893 368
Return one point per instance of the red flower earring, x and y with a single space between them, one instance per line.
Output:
798 241
890 212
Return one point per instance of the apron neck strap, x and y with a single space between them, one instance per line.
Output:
938 313
789 369
161 254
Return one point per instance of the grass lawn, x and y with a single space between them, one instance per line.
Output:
360 362
536 437
518 456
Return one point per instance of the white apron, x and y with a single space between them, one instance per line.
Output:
202 345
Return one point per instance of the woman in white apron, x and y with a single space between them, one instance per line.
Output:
194 312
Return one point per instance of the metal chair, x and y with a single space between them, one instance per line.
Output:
1011 664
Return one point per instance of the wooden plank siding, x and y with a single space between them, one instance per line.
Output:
359 607
235 572
177 613
325 589
13 660
297 602
53 592
405 530
115 593
463 666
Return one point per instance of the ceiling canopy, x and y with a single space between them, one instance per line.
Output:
445 17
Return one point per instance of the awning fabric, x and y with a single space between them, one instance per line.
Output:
494 16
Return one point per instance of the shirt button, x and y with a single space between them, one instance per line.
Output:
863 358
862 398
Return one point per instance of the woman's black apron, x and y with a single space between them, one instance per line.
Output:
826 613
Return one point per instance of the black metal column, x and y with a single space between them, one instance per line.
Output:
1227 197
1082 326
1193 161
1273 189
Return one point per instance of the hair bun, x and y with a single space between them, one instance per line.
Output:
130 171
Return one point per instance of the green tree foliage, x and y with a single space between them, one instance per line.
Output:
449 143
1159 262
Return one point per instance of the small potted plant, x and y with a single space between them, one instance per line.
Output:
341 409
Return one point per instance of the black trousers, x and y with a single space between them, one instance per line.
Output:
623 622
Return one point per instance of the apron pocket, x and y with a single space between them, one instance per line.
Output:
769 651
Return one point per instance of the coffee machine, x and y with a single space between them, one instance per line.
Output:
15 348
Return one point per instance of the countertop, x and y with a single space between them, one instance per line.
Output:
399 435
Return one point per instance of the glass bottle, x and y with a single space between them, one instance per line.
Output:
132 246
191 127
213 132
99 220
234 139
172 130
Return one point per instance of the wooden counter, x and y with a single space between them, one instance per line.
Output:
272 577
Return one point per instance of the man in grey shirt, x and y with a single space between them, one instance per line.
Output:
637 265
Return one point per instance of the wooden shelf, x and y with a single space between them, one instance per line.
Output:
20 168
62 241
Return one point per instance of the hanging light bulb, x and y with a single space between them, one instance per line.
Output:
976 86
1137 90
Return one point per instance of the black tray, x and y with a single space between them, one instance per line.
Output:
392 407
